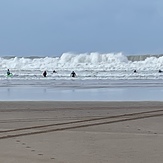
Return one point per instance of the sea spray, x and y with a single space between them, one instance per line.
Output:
86 65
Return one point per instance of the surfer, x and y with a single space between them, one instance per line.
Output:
54 71
73 74
135 71
44 73
8 72
159 71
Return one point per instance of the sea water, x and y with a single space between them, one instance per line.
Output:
104 77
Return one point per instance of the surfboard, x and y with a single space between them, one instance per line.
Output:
10 75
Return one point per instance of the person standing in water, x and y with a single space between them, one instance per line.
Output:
73 74
8 72
44 74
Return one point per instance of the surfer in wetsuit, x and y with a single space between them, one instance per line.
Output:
8 72
44 73
73 74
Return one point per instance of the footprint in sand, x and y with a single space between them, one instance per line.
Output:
52 158
40 154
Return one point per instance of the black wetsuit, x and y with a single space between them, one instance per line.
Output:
44 73
73 74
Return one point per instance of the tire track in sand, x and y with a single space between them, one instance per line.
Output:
40 129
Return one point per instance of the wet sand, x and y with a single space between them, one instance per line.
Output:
81 132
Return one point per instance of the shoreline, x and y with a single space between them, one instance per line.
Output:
79 104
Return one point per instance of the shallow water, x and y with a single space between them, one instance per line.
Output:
46 89
84 94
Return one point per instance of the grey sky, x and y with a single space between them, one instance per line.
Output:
52 27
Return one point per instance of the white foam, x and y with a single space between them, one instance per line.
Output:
87 66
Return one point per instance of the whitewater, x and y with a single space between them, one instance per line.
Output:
92 70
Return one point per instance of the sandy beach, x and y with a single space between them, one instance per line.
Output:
81 132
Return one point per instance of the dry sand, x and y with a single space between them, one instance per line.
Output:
81 132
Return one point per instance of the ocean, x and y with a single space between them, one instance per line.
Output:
94 72
87 66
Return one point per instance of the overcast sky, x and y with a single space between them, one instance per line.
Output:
52 27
